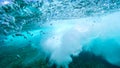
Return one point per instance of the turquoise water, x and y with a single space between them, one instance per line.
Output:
59 33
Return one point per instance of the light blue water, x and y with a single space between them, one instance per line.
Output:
56 30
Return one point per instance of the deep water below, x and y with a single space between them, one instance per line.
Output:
14 59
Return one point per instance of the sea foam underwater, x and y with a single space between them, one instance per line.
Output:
56 41
71 37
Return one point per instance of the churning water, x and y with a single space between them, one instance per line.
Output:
59 34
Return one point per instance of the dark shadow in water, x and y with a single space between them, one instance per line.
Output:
89 60
11 57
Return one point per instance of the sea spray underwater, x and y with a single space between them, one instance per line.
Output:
82 34
53 32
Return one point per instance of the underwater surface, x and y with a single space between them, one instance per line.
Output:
59 33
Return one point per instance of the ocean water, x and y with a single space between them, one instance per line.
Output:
59 34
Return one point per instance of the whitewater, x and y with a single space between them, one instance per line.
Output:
56 31
72 36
